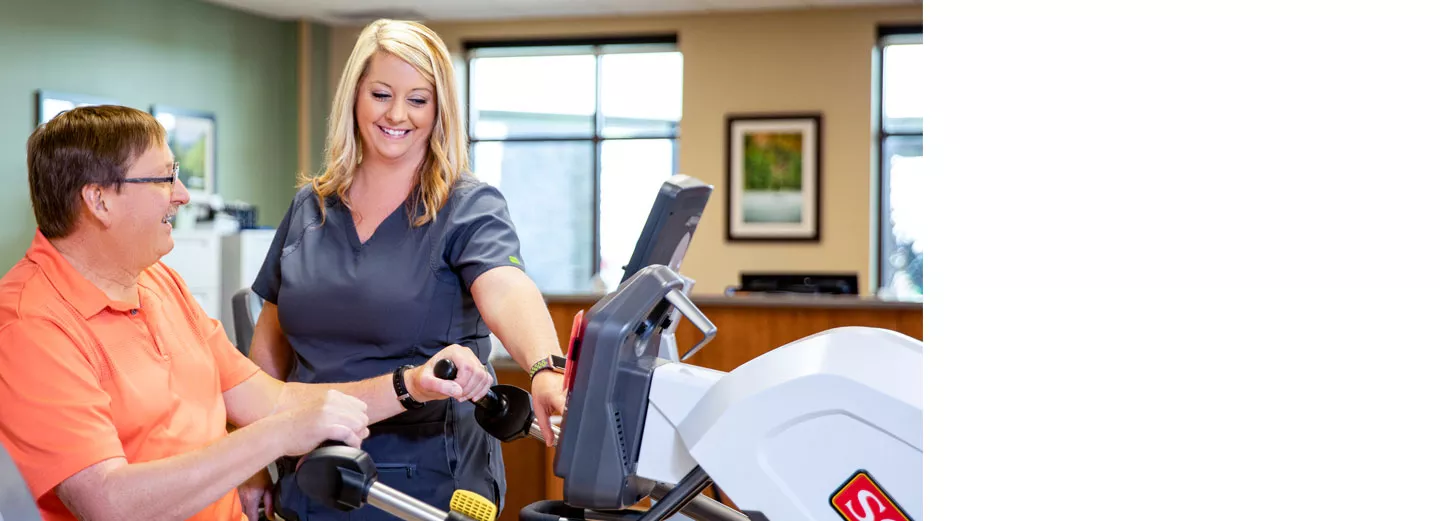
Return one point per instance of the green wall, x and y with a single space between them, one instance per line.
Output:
320 95
183 53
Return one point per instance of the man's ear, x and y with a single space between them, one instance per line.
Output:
94 198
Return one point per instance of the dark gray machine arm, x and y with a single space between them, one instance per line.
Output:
617 345
605 415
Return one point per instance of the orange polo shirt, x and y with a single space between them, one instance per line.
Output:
84 378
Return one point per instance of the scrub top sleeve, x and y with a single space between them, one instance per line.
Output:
267 281
482 237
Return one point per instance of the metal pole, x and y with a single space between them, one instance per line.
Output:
401 505
687 489
702 507
537 432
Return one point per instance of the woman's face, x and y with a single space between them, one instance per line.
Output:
394 109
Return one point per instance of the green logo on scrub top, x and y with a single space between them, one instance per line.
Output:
514 260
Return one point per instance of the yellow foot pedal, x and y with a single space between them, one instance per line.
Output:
474 505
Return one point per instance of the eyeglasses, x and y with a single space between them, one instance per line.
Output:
170 179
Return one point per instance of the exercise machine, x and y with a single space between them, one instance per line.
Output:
827 425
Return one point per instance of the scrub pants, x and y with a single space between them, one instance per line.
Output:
426 454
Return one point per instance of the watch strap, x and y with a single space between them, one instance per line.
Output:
553 363
406 400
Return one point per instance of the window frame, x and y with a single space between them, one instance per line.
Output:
883 36
597 47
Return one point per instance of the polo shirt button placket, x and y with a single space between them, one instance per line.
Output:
163 355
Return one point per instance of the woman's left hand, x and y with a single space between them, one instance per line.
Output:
547 396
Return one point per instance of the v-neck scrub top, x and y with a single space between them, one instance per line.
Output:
353 310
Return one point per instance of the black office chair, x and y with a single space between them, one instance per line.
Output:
245 309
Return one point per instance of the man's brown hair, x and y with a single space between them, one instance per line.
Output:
82 146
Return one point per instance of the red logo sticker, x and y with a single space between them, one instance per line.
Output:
862 499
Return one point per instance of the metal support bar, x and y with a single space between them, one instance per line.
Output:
538 432
401 505
702 508
692 312
689 487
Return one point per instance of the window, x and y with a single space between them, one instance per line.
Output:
903 177
579 135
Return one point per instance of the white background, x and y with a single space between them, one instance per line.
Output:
1187 261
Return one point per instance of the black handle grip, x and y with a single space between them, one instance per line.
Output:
446 370
490 405
494 411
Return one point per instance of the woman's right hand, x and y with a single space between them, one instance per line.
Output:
471 379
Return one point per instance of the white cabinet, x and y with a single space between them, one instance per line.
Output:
196 257
241 256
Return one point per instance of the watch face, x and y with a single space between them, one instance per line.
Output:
554 362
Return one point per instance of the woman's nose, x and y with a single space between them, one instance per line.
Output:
396 113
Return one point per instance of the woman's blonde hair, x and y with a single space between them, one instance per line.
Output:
446 160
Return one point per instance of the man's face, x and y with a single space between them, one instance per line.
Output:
146 205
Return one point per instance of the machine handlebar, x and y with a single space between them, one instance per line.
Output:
345 478
504 412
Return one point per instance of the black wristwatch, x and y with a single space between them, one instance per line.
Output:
406 400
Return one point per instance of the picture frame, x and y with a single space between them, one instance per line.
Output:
192 136
773 177
49 103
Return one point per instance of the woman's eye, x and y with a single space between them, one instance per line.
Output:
380 96
418 101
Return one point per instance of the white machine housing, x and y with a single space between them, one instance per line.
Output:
783 433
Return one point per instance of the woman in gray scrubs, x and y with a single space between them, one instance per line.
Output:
391 254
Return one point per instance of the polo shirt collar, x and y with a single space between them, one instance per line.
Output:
87 298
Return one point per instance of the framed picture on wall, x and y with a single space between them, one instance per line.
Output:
49 103
191 135
773 178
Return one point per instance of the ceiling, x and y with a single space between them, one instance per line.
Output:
359 12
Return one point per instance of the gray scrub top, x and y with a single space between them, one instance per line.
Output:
355 310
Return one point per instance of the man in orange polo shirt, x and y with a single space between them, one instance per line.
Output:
115 387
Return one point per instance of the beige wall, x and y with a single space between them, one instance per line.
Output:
792 61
